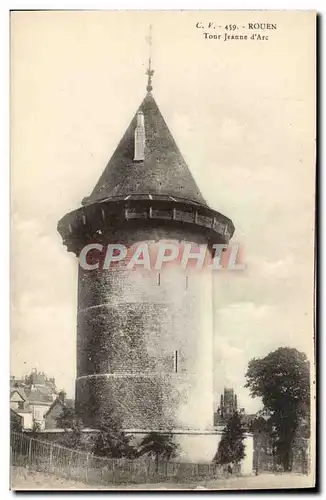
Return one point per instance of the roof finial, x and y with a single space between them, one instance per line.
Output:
150 71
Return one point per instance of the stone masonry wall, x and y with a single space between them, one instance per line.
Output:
144 344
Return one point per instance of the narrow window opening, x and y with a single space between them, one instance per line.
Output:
186 282
159 279
175 361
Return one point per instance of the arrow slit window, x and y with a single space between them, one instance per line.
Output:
175 361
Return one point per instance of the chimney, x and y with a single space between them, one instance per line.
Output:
62 396
139 151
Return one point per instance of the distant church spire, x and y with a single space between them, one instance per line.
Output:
149 71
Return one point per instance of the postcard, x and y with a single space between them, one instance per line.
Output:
163 171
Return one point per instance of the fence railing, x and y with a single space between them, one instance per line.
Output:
48 457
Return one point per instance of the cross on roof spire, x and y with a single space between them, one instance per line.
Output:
149 71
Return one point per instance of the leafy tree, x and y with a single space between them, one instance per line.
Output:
72 437
112 441
262 428
264 436
282 380
73 429
159 446
114 444
67 418
231 449
15 425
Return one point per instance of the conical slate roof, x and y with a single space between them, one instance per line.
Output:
163 172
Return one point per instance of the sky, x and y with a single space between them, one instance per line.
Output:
243 116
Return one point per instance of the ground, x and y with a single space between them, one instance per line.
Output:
24 479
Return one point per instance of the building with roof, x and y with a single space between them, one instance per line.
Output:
19 404
145 338
39 401
31 397
59 404
228 406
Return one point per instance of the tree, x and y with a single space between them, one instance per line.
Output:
282 380
231 449
114 444
158 446
112 441
15 422
72 437
67 418
73 429
263 436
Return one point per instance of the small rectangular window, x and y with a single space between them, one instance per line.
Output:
175 361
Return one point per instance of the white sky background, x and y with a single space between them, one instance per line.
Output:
243 116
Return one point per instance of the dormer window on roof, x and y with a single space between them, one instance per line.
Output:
139 147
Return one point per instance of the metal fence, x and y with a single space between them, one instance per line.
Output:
48 457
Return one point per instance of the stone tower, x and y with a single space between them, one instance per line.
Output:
145 337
